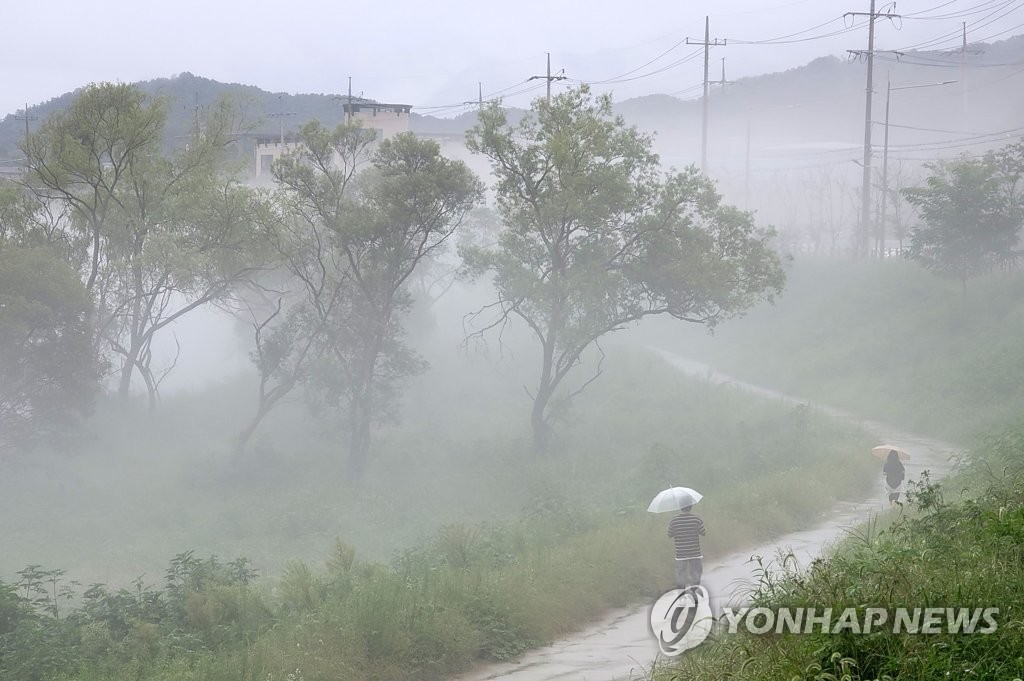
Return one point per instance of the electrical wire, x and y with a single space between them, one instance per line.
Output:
791 38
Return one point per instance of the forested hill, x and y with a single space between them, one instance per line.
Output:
258 107
820 102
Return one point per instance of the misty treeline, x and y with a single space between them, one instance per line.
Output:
971 213
109 239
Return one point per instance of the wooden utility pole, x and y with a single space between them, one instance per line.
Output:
549 77
885 172
704 121
746 170
280 115
865 197
348 111
25 117
963 51
195 118
479 97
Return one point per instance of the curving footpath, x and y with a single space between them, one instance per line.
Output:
620 646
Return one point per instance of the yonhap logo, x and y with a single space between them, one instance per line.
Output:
681 619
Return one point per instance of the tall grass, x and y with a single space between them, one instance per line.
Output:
949 550
886 340
539 547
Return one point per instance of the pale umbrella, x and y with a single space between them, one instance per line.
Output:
673 499
882 452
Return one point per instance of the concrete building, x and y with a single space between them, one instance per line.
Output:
387 119
269 148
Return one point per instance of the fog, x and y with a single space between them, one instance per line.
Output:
441 347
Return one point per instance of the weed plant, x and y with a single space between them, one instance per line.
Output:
886 340
957 545
540 547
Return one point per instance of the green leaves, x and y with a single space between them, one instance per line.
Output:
971 214
48 372
351 243
596 236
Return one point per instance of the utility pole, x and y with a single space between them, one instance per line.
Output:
195 120
963 80
549 77
865 198
885 171
479 97
348 110
704 121
746 170
885 156
25 117
964 101
280 115
963 52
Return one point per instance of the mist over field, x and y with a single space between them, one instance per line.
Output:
304 378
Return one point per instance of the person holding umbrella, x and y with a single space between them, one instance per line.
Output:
685 529
893 470
894 474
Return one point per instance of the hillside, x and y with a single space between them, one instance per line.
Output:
821 102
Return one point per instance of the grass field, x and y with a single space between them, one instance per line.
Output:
459 546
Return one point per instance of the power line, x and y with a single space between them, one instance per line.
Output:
549 77
25 117
704 120
865 215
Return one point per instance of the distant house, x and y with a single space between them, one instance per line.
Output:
269 148
387 120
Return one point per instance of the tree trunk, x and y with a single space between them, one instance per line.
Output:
267 402
134 343
540 425
538 420
359 436
125 386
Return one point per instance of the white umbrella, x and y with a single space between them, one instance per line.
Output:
673 499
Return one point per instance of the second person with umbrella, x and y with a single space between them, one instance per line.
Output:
686 529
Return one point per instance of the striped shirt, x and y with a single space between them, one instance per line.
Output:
686 529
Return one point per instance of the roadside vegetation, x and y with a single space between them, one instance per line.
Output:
885 340
959 544
560 540
889 341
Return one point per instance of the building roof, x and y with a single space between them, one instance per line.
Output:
377 106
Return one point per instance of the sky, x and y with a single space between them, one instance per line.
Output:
433 55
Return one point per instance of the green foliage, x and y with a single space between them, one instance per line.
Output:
568 538
154 235
972 214
885 340
351 243
966 553
206 606
49 374
595 238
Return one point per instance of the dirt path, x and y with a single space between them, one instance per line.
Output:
620 646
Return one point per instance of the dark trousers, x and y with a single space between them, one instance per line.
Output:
688 572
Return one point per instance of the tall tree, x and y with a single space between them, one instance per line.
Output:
363 238
971 214
155 235
303 224
80 157
596 237
48 372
